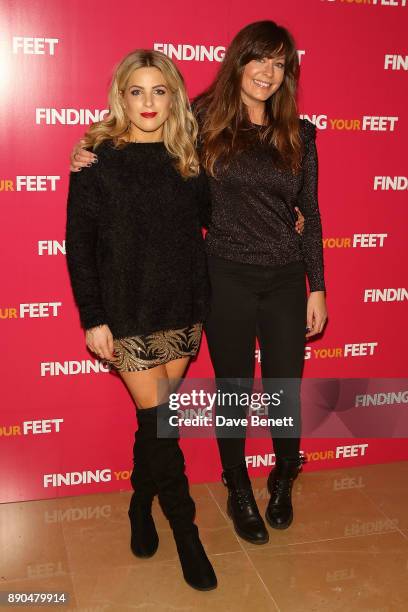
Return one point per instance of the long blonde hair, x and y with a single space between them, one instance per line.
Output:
179 130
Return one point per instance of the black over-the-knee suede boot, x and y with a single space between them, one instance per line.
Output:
144 540
166 464
279 512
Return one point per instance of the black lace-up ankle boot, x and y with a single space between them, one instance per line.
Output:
279 512
241 506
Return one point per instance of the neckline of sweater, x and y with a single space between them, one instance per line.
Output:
156 142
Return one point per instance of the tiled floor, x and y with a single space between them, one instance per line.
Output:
347 550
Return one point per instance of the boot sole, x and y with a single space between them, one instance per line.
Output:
244 537
197 588
145 556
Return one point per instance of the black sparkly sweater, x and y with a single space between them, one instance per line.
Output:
135 250
253 210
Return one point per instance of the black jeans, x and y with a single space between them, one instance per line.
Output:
269 303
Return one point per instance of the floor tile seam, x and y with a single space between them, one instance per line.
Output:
127 568
69 559
214 499
67 575
365 535
277 609
226 518
262 580
173 561
232 552
143 562
365 494
364 553
75 574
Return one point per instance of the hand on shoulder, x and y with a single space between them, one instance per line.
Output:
81 158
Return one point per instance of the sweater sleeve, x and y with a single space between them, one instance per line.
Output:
204 193
81 240
204 199
312 244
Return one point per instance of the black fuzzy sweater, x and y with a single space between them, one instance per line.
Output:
134 245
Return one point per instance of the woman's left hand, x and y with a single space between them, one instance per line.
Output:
300 223
316 313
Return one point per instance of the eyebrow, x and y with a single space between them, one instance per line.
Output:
154 86
280 58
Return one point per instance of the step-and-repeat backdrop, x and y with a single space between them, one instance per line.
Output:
67 422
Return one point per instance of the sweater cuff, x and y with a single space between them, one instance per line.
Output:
317 286
89 320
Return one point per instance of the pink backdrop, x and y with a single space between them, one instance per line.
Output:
59 55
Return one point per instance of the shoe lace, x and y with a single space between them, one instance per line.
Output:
244 498
282 486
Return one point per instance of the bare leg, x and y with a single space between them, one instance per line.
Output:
152 387
149 387
175 370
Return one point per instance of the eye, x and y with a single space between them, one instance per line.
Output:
160 92
135 92
280 65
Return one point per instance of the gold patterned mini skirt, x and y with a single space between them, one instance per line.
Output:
138 353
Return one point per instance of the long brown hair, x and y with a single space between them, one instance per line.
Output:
223 115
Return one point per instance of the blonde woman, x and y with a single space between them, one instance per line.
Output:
137 265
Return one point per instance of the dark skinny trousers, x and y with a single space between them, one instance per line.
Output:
269 303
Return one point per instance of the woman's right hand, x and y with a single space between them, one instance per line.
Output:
80 157
100 341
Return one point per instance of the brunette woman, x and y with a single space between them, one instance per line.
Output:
262 163
137 265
